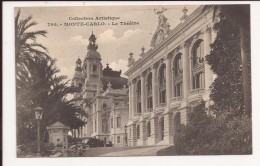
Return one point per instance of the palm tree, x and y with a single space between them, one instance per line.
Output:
38 83
25 42
240 16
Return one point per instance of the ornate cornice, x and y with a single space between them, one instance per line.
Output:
176 32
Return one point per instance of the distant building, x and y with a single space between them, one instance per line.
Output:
169 78
103 96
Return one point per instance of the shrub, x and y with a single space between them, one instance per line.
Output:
94 142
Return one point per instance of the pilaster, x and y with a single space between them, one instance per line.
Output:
184 109
168 79
154 131
154 86
143 93
186 69
168 128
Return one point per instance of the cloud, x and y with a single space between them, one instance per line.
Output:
129 33
121 64
107 36
78 39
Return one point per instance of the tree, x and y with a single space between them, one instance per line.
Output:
239 15
225 60
226 130
38 83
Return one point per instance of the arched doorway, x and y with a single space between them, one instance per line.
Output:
161 129
176 122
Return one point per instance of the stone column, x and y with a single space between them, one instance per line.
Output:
130 99
154 130
168 128
168 80
133 107
186 70
154 86
143 93
143 135
134 135
88 70
208 71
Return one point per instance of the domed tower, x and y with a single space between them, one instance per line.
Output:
92 69
78 75
78 79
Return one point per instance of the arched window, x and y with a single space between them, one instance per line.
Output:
149 92
104 125
95 125
198 65
138 131
148 129
112 122
138 92
118 122
198 52
94 69
162 128
178 81
162 81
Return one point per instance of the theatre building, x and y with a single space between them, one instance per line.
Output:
169 78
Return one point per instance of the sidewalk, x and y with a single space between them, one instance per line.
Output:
149 151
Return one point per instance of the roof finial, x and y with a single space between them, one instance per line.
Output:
184 11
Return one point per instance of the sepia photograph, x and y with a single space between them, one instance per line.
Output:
132 80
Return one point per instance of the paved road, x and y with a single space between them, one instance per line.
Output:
149 151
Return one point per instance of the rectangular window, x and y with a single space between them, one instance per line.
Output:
150 103
118 122
95 126
104 125
118 139
112 126
94 69
139 107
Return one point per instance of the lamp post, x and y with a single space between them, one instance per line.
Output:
38 117
125 127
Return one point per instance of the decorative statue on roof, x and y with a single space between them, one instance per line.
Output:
131 60
163 28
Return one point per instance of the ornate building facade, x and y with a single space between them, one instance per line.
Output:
170 77
103 96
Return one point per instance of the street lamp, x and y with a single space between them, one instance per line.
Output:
125 127
38 117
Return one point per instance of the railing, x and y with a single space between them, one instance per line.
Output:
161 105
197 91
178 98
137 113
148 110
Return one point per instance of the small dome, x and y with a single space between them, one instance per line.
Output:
93 55
78 61
78 74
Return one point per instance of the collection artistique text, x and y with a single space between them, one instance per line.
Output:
94 18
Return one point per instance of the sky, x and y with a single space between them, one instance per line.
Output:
115 42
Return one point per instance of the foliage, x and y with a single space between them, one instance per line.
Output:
31 149
94 142
226 129
225 61
209 135
38 83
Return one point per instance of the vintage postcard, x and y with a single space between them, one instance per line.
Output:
132 80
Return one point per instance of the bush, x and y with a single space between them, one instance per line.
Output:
94 142
209 135
31 149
